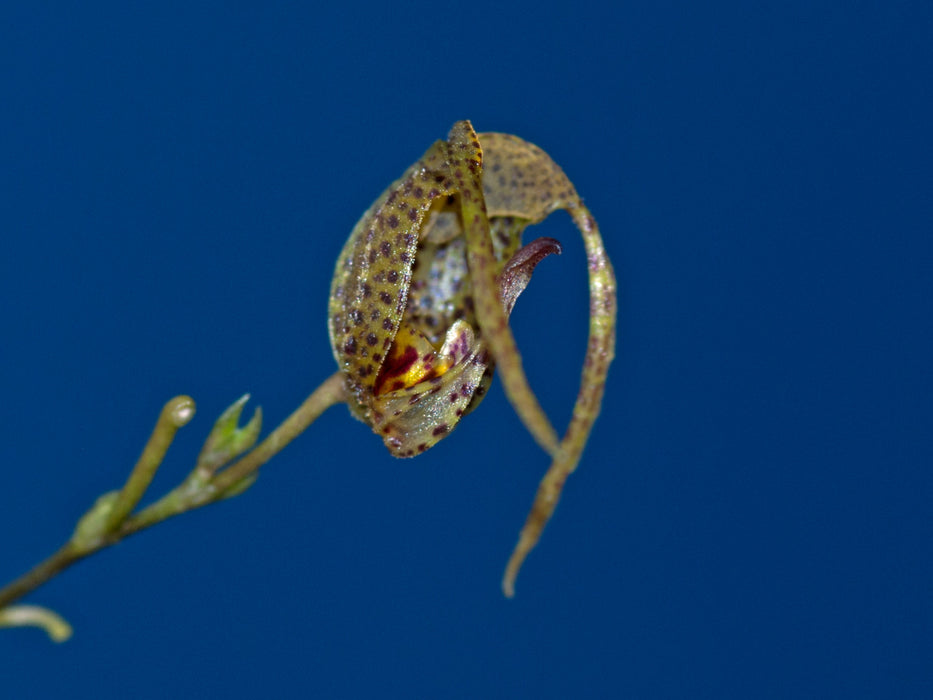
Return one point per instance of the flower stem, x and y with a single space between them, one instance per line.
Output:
39 574
326 395
175 415
188 496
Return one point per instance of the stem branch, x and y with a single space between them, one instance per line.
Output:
175 414
184 498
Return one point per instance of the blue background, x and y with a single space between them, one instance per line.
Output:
752 517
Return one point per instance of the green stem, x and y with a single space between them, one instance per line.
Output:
175 414
330 392
39 574
22 615
184 498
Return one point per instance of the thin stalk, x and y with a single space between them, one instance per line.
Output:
326 395
39 574
179 500
175 414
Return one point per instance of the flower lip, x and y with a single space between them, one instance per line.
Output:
411 360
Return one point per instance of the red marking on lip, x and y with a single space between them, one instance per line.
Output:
396 365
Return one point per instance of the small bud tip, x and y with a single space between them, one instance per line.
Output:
180 410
